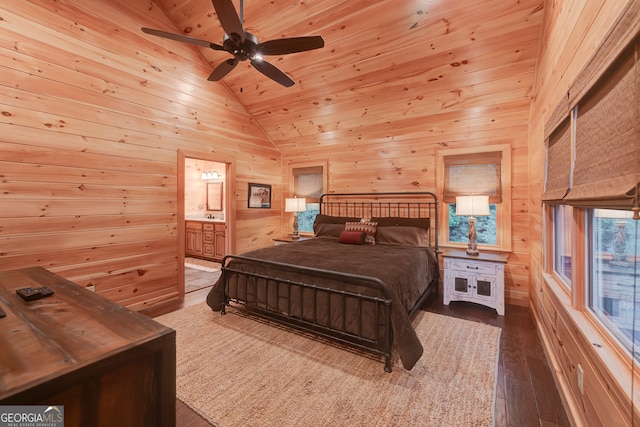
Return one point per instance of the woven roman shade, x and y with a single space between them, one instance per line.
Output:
606 171
307 183
558 169
473 174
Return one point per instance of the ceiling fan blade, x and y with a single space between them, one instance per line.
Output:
272 72
228 18
290 45
223 69
181 38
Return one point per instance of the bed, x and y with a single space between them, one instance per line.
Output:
369 267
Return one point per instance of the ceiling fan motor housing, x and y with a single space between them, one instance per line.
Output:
242 50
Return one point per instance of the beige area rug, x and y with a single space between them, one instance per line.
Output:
237 370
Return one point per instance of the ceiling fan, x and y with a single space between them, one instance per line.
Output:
245 46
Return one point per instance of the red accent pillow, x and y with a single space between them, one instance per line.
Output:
351 237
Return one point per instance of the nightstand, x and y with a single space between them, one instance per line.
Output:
288 239
478 279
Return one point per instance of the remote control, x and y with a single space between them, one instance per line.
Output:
29 294
46 292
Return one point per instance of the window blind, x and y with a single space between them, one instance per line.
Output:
558 162
606 171
473 174
307 183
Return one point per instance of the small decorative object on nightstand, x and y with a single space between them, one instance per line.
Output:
472 206
477 278
295 205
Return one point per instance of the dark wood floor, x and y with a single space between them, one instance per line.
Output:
526 392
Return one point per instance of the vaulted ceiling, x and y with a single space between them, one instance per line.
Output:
390 69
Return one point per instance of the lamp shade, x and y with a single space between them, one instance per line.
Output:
472 206
295 205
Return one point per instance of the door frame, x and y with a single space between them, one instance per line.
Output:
230 206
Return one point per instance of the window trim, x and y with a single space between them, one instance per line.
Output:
552 255
503 210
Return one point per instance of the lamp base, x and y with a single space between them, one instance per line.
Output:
295 235
472 250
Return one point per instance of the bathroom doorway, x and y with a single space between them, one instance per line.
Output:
206 218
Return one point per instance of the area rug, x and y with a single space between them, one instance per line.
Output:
238 370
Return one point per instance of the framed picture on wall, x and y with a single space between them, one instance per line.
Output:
259 195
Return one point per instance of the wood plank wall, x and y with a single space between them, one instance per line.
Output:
572 29
93 114
406 161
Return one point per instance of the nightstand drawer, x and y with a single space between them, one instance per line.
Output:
472 267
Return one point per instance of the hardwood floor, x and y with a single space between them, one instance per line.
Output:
526 394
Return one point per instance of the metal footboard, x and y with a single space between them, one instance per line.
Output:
322 310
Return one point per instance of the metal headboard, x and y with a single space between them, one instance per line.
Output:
422 204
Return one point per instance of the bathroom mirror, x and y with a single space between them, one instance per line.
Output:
214 196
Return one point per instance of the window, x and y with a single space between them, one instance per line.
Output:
308 181
478 171
562 243
485 227
613 272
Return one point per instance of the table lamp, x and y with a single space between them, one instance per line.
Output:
472 206
295 205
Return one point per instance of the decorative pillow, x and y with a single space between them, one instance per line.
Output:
403 222
367 227
403 236
351 237
332 226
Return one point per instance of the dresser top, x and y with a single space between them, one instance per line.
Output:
53 336
481 257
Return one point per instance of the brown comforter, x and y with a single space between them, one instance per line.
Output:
407 272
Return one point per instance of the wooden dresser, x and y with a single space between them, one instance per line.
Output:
108 365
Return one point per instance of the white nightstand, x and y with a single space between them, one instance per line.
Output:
478 279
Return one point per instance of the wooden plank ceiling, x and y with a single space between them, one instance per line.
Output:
389 69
